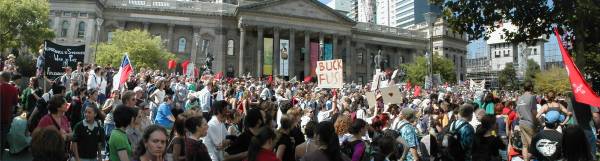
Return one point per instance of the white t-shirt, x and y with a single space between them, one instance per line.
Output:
159 96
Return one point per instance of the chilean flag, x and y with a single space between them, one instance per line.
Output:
581 90
125 70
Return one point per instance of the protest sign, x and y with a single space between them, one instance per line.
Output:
57 56
371 100
330 73
391 95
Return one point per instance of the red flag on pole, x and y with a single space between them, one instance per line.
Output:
184 65
581 90
407 85
270 79
417 91
307 79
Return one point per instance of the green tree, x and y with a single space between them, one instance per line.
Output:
532 70
554 79
533 19
144 50
417 70
24 22
508 77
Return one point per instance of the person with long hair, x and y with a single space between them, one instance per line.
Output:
261 146
575 145
153 144
356 146
285 146
486 143
487 103
47 144
176 146
342 124
57 106
329 146
252 124
195 150
553 105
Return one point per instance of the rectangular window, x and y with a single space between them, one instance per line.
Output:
534 51
230 47
84 15
109 37
66 14
496 54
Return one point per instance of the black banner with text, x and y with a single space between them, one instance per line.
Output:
57 56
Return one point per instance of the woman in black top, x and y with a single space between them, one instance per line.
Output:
285 145
486 144
195 150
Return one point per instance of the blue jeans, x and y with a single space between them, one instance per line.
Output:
591 137
108 128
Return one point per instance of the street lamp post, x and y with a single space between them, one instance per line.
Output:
430 19
98 25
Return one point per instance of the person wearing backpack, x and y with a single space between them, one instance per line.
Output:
457 141
409 133
355 147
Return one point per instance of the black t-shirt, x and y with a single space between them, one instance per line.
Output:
487 148
196 150
88 140
241 143
298 135
546 145
290 147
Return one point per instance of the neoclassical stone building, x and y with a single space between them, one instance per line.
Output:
233 32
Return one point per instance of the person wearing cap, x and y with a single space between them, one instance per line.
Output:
546 145
409 133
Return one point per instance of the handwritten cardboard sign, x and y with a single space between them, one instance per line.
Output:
330 73
391 95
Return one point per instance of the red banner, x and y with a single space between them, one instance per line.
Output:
581 90
417 91
314 57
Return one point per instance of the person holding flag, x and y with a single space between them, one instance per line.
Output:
125 70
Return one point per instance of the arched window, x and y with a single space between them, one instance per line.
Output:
51 23
109 37
181 47
81 30
230 47
360 57
64 29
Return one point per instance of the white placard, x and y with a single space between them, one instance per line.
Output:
330 73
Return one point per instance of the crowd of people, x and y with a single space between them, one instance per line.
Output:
157 116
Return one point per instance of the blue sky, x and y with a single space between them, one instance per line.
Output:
324 1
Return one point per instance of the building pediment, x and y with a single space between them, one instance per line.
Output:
309 9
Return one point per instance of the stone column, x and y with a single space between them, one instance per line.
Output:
146 26
349 62
276 51
241 55
170 38
259 51
291 55
321 45
306 53
195 44
336 54
219 54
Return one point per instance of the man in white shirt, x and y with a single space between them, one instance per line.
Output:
215 139
93 81
266 94
206 99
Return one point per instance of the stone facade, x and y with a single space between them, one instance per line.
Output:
196 29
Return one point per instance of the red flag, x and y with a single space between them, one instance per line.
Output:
581 90
184 65
307 79
125 70
196 72
219 75
417 91
408 85
171 64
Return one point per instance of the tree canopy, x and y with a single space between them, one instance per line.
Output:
144 50
417 70
24 22
507 78
532 70
554 79
577 21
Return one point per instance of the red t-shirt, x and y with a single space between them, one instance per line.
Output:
265 155
46 121
8 94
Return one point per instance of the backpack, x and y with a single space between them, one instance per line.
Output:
451 149
347 149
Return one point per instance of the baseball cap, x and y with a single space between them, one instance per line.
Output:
554 116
